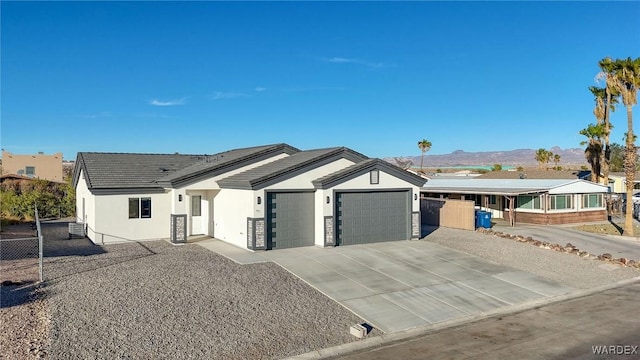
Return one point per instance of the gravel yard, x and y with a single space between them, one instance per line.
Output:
155 300
563 268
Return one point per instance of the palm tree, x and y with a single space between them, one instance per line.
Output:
542 157
606 100
592 152
556 161
626 80
424 145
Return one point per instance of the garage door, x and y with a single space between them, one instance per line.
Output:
289 219
366 217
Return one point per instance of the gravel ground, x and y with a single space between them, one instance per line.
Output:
563 268
24 321
155 301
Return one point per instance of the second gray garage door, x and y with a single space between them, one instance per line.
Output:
366 217
289 219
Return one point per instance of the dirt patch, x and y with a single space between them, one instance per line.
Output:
606 228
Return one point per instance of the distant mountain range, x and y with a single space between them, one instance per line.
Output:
518 157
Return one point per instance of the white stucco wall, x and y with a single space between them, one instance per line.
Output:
231 208
82 192
386 182
113 224
303 181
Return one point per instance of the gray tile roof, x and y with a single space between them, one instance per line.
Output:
223 161
124 170
105 171
365 166
288 167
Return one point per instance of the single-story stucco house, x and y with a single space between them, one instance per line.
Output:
537 201
258 198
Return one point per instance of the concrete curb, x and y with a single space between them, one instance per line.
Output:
388 339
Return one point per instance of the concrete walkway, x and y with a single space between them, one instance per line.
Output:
617 246
401 285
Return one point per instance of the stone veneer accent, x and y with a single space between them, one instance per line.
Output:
415 225
178 228
255 234
250 234
328 231
260 239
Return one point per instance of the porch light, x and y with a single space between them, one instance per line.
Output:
179 197
259 200
328 199
415 196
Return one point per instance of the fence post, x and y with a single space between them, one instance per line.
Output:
40 244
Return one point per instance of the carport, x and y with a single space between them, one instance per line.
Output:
539 201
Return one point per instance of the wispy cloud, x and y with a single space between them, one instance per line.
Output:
157 102
369 64
260 89
219 95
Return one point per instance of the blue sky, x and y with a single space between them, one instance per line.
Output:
203 77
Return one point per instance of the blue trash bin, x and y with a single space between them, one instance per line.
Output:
485 219
478 218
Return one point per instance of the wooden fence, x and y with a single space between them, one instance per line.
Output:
457 214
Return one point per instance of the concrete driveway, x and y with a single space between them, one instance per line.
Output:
404 284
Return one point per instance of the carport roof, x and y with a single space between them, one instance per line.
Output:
509 187
285 168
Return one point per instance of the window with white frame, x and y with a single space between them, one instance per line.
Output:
139 208
591 201
196 205
561 202
529 202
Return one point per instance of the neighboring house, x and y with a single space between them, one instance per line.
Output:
41 166
618 182
266 197
537 201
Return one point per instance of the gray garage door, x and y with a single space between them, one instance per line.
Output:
366 217
289 220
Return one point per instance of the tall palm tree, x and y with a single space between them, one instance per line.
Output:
556 161
424 145
593 151
626 80
606 100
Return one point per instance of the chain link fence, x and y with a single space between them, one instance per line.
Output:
21 253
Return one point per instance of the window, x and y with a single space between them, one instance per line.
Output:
591 201
139 208
30 171
145 208
493 200
134 208
561 202
528 202
374 177
196 205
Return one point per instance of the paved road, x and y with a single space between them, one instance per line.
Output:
592 243
567 330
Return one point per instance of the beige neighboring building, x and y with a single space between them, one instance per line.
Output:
41 166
